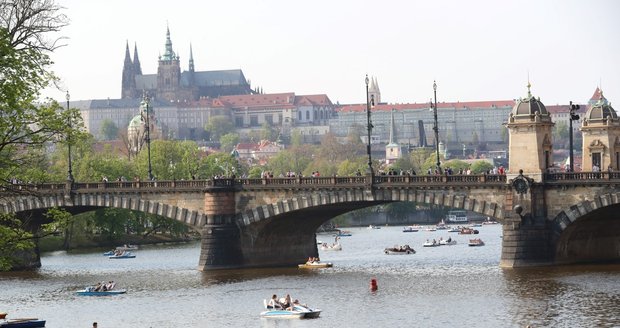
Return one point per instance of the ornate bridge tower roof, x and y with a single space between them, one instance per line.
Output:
529 128
601 136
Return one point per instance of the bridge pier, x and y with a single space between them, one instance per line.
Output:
220 247
525 244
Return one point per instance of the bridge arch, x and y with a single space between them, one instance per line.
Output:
588 231
357 199
84 201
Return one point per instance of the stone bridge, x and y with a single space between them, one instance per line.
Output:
563 218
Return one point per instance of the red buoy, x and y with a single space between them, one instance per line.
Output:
373 284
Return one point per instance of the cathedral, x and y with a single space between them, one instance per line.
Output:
170 84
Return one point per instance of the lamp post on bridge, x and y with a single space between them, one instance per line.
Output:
148 135
573 117
369 101
436 127
70 170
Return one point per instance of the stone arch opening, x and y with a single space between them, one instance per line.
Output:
592 237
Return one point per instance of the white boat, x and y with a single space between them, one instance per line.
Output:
447 242
441 225
373 227
428 243
123 255
453 229
410 229
332 247
430 229
457 217
489 221
308 312
399 250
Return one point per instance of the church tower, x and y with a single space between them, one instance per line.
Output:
601 136
529 127
168 72
374 91
128 84
392 149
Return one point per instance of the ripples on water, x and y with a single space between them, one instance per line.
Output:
447 286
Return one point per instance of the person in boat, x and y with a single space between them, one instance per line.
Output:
274 303
287 304
449 239
98 287
110 285
434 242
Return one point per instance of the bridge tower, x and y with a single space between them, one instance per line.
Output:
529 128
601 136
525 229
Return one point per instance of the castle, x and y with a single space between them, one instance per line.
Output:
170 84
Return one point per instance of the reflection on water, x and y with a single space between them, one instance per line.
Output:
583 294
447 286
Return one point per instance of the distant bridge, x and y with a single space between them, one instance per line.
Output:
564 218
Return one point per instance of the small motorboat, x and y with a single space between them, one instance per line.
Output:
343 233
308 312
90 291
22 323
282 314
476 242
123 255
452 229
332 247
433 243
373 227
410 229
468 231
315 265
448 242
399 250
431 229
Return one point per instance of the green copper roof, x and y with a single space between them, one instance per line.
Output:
169 53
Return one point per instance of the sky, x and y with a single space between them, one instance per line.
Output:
475 50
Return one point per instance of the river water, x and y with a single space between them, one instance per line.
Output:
447 286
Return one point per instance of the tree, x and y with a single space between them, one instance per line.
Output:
109 130
479 167
218 125
418 158
228 142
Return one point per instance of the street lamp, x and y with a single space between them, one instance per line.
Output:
148 135
70 173
573 117
369 100
435 127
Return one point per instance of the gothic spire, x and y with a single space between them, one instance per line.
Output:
392 127
127 63
137 69
168 53
191 59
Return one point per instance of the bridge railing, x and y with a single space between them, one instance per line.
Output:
264 182
580 176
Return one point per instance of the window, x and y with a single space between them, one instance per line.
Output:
269 118
596 159
307 115
253 120
299 115
238 121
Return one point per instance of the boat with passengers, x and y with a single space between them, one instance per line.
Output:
459 217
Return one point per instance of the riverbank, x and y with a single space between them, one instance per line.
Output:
57 243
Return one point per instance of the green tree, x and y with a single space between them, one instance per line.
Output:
218 126
228 142
109 130
268 132
418 158
479 167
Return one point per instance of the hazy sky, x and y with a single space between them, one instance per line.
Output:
476 50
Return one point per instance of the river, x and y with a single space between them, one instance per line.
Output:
447 286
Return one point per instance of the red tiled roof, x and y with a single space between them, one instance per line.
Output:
321 99
246 146
284 100
442 105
